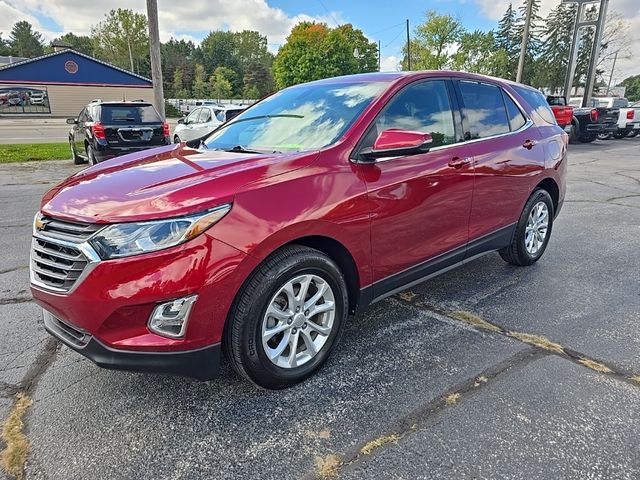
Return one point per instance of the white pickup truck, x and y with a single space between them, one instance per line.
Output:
629 118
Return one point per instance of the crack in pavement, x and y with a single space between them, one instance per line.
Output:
423 417
603 202
8 270
537 341
14 300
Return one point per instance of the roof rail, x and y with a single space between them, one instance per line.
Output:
96 100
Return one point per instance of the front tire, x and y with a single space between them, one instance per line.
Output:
287 318
621 134
533 231
633 133
604 136
176 139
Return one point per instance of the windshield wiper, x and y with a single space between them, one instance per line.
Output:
239 149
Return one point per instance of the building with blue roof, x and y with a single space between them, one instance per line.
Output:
61 83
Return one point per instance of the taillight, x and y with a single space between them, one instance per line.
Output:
165 129
630 114
594 114
98 131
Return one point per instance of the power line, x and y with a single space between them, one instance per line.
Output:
387 28
330 13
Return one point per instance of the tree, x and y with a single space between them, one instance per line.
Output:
507 40
556 44
632 85
533 48
178 89
24 41
220 83
478 53
313 51
199 89
178 55
122 39
257 81
5 48
80 43
435 38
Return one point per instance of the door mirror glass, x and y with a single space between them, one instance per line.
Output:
181 120
72 121
396 142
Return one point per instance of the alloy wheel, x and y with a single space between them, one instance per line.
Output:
298 321
537 228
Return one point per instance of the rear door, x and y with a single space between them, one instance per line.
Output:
506 149
132 125
420 203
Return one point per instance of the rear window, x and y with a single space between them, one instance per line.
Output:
128 114
538 102
556 101
484 109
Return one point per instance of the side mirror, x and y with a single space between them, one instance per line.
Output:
181 120
396 143
72 121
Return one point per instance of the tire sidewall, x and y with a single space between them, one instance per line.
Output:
257 364
91 156
536 196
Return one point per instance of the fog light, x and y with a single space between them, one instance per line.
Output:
170 319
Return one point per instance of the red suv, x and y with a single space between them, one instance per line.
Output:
308 206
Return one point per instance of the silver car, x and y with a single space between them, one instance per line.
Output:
204 120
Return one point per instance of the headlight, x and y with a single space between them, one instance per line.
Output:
125 239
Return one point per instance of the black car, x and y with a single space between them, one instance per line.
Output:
105 130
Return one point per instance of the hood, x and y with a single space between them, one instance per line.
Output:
163 182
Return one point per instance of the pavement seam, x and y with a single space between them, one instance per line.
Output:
14 300
537 341
16 443
422 417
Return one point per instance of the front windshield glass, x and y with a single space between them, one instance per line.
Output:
305 117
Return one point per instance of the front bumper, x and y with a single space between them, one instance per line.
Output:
201 364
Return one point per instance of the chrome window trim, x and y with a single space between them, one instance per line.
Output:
529 123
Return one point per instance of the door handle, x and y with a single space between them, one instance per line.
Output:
457 162
529 144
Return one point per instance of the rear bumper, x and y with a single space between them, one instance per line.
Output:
201 364
602 127
105 152
633 126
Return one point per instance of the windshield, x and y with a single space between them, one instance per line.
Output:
305 117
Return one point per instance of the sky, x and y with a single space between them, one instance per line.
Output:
381 20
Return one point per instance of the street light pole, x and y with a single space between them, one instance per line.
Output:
154 51
408 48
525 40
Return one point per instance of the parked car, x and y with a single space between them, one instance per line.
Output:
309 205
628 118
636 114
104 130
204 120
561 111
37 98
593 121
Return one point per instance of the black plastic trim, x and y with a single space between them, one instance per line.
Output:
201 364
435 266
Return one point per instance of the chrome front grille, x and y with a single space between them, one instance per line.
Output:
58 257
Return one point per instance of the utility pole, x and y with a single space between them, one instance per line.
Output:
525 40
408 47
154 50
379 55
613 69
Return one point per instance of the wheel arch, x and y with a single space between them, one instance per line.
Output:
550 185
343 258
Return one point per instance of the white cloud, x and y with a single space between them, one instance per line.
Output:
176 18
390 64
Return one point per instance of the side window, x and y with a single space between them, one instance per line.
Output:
484 110
205 116
538 103
83 117
422 107
516 119
193 116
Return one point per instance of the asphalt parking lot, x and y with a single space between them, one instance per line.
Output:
451 379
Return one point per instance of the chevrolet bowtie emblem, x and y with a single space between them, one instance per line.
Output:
38 224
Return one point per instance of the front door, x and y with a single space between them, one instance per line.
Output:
419 204
79 133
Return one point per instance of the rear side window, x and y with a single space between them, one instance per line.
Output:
484 110
421 107
126 114
516 119
205 116
538 102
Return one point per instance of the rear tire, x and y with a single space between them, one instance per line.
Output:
91 156
574 134
587 137
77 160
621 134
176 139
604 136
269 301
533 231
